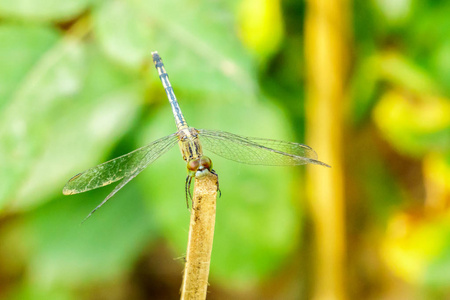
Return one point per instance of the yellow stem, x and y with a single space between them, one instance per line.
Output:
326 48
201 233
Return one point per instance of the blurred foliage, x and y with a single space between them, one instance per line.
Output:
76 89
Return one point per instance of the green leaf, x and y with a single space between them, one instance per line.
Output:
403 73
419 250
122 30
28 291
364 88
26 51
62 252
22 48
67 109
414 127
42 10
200 50
436 274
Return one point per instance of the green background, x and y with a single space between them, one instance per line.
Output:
76 90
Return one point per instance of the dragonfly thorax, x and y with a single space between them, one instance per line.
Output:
199 167
190 146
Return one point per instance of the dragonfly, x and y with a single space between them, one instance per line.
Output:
191 141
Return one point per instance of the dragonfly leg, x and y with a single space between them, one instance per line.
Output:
218 189
187 189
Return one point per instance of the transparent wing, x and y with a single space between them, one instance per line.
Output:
128 165
116 189
257 151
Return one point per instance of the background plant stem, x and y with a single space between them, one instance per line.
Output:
326 47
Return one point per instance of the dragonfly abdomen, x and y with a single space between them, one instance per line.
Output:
164 77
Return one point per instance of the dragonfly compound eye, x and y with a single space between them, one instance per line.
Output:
206 163
193 165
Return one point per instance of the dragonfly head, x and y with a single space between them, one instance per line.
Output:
199 167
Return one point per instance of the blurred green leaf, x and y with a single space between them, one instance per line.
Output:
62 252
199 47
28 45
437 170
383 192
28 291
427 39
414 126
404 73
419 250
437 275
67 108
365 82
25 46
42 10
394 12
441 64
124 31
261 26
